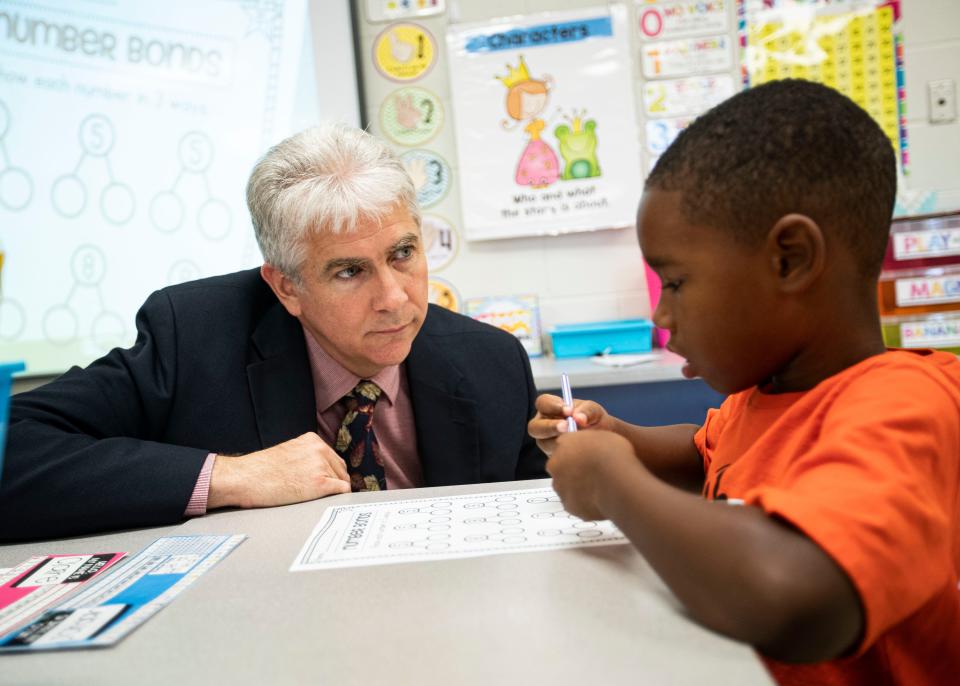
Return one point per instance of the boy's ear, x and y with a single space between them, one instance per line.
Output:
797 252
283 287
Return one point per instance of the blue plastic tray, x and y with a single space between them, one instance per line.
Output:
595 338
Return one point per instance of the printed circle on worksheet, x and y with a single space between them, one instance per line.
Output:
440 241
404 52
411 116
442 293
430 174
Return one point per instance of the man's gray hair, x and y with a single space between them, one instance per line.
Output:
333 178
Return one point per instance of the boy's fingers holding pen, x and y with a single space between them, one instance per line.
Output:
550 420
544 431
586 412
548 423
549 405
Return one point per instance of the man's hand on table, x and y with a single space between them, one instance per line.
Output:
301 469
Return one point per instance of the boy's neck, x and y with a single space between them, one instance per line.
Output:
839 339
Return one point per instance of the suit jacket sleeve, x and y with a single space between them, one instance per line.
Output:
84 451
532 462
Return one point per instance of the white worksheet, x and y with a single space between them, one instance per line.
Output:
446 528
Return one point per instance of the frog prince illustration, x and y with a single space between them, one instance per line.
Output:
578 147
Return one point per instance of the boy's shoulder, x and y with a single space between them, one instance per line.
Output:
918 390
927 379
904 372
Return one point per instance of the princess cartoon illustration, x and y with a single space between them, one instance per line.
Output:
526 99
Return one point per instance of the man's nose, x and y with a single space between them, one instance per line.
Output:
391 294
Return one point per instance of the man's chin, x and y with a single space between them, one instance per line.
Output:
390 355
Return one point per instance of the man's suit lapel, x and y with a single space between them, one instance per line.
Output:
448 431
281 386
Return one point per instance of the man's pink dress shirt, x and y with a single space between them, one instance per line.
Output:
393 421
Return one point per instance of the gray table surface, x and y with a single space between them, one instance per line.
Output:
580 616
584 371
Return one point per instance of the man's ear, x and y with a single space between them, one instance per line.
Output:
283 287
797 252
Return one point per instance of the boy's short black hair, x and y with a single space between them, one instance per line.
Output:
786 146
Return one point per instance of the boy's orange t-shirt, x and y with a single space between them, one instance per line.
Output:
866 464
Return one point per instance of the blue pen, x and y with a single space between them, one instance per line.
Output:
567 399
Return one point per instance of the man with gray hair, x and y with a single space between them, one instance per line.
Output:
323 372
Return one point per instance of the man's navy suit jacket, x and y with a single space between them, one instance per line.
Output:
220 366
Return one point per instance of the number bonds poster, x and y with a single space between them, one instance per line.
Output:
127 131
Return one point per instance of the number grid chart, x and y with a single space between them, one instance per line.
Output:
854 48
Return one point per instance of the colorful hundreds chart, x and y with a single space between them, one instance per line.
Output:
852 46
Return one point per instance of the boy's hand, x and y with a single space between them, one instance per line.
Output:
583 464
550 420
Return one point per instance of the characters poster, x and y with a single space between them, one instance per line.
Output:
546 129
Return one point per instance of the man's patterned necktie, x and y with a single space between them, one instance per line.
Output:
356 442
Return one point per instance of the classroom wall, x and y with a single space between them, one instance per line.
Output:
931 32
591 276
578 277
598 275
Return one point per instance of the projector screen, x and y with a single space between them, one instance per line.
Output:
127 132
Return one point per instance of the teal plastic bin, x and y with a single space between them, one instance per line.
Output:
7 370
596 338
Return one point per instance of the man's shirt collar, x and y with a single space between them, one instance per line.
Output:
331 381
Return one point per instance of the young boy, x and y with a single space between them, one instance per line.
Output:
837 551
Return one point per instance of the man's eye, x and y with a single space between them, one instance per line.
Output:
348 273
672 285
403 253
